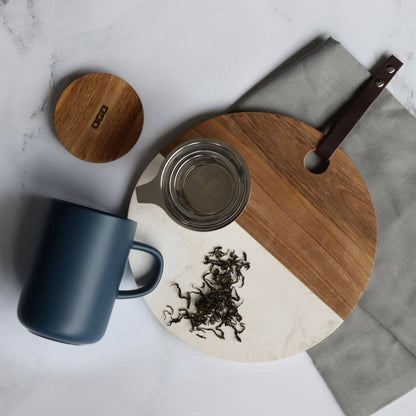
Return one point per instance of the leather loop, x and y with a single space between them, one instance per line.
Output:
372 89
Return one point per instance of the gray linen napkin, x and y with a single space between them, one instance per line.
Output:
371 359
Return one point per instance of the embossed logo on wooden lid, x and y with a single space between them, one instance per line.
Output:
99 117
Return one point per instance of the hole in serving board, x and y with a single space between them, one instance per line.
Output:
315 163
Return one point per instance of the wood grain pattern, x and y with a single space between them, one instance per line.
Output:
99 117
322 227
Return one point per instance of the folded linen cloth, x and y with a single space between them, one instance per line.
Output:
371 359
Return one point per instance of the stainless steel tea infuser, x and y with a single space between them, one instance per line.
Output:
204 184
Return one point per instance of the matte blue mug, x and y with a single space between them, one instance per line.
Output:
70 291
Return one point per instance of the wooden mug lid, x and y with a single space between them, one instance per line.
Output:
99 117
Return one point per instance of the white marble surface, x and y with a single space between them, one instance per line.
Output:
184 58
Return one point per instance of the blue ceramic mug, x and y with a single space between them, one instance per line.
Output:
70 292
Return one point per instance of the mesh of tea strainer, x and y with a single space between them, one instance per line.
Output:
205 184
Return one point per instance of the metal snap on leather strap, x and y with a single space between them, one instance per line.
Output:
379 83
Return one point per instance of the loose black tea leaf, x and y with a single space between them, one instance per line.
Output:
214 304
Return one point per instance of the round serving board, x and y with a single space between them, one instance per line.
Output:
99 117
310 239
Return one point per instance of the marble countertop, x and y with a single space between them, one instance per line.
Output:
185 58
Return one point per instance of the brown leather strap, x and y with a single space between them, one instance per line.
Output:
330 143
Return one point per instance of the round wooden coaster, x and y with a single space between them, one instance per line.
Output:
310 238
99 117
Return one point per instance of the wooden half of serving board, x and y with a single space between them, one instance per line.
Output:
310 238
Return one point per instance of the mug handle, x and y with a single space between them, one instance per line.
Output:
147 288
